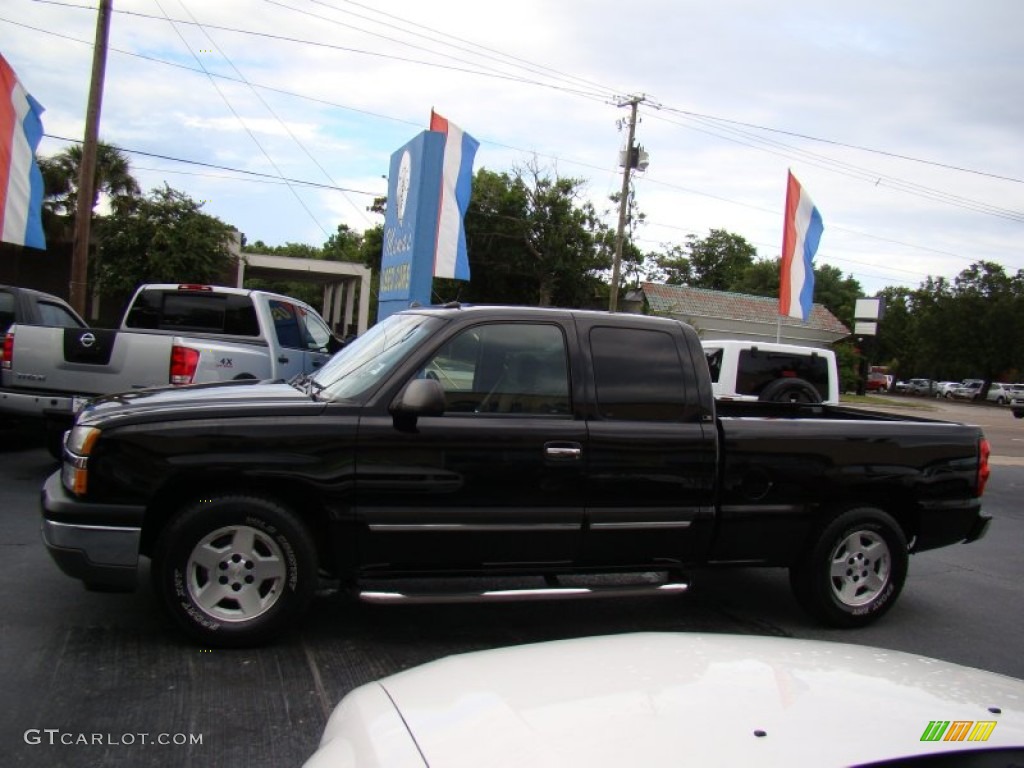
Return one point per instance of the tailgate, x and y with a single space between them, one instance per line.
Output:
91 361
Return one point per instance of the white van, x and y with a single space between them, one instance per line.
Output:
755 370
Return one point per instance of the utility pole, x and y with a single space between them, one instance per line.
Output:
87 171
613 299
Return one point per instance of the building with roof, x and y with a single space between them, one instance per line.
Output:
727 315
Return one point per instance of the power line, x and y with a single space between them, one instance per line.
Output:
488 52
267 176
685 113
347 49
280 122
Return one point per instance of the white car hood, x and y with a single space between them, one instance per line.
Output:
668 699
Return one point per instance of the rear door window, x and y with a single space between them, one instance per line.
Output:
639 375
57 316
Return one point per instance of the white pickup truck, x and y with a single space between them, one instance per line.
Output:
170 335
762 371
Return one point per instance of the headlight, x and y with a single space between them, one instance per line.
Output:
81 440
75 472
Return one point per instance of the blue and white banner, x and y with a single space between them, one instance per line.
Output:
450 256
801 235
21 183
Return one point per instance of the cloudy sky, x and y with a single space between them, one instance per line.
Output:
903 119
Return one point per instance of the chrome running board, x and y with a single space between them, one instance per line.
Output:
383 597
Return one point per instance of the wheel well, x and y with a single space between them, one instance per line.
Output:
896 505
302 500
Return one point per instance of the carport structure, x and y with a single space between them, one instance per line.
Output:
345 284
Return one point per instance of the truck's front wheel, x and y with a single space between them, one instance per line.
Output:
235 570
854 569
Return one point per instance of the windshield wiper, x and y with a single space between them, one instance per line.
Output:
305 383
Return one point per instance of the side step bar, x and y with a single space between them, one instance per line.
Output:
380 597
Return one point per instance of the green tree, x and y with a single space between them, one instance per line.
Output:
838 294
344 245
972 327
531 240
896 343
164 237
717 262
60 184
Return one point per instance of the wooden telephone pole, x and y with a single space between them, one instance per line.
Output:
613 299
87 170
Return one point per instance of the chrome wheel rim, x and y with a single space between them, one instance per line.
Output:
861 564
236 573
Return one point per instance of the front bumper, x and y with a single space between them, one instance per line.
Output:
96 543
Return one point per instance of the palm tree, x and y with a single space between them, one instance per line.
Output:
60 183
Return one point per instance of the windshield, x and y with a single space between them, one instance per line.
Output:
365 362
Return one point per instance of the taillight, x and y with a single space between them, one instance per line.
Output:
984 470
8 351
184 361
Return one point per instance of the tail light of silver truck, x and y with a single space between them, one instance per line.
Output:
7 351
184 362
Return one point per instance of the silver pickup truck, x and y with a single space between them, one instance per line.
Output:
170 335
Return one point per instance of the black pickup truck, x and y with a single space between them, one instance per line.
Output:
551 445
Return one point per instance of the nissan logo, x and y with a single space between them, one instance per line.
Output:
87 340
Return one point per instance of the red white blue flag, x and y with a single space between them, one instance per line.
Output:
450 256
801 234
21 183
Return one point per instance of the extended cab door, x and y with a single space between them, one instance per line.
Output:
302 339
652 445
497 480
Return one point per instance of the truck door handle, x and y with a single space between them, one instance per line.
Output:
563 451
282 359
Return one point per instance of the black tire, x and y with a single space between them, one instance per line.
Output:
789 391
854 570
221 558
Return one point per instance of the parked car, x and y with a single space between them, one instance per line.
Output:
754 370
999 393
25 305
944 389
679 699
901 387
920 386
969 389
492 441
170 335
1017 401
877 382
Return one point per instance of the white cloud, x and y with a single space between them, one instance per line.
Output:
935 80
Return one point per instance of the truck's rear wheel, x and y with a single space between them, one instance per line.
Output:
854 569
235 570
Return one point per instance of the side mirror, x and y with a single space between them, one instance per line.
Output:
334 344
421 397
